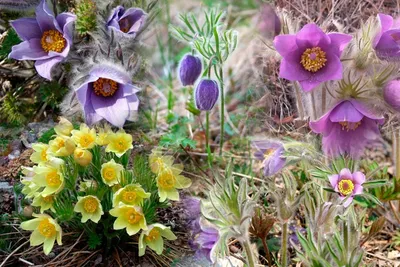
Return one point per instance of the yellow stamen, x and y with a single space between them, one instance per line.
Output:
268 153
90 205
53 179
133 216
86 140
167 180
128 196
109 174
53 40
43 155
46 228
153 235
346 187
313 59
105 87
349 125
48 199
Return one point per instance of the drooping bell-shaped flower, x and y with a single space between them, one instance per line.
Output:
189 69
387 42
46 38
347 128
391 94
206 94
347 184
311 56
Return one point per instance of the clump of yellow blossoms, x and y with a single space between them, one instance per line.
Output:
82 175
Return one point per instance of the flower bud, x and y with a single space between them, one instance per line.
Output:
206 94
64 127
391 94
82 157
189 69
269 24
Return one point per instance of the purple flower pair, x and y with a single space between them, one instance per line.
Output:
347 128
387 42
311 56
271 154
46 39
347 184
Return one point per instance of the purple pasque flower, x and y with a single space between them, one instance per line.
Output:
108 94
206 94
387 42
204 241
269 25
311 56
189 69
127 21
347 128
391 94
347 184
46 39
271 153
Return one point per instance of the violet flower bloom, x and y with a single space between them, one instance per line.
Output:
46 39
108 94
189 69
311 56
204 242
347 128
127 22
206 94
347 184
387 42
391 94
271 153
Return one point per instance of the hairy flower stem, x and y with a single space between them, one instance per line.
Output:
284 244
299 101
208 137
314 109
222 110
396 158
267 253
346 239
249 254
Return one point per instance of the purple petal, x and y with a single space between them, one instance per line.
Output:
133 102
358 189
346 112
45 18
348 201
130 89
28 50
274 164
43 67
116 13
333 70
135 17
311 36
285 44
114 109
385 22
111 73
366 112
308 85
82 91
358 178
27 28
324 124
91 117
291 68
333 179
339 41
66 21
345 174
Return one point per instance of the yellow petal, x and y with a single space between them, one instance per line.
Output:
48 245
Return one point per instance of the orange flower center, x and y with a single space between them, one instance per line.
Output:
313 59
129 196
166 180
109 173
90 205
346 187
48 199
86 140
46 228
43 155
105 87
268 153
153 235
133 216
53 40
349 125
124 25
53 179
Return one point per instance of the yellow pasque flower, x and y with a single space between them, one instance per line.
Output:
83 157
129 217
132 194
64 127
90 208
169 180
87 184
103 134
111 172
45 231
153 237
85 137
119 143
44 203
61 146
158 162
41 153
49 176
30 189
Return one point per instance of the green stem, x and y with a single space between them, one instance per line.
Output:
222 111
345 239
208 137
396 158
249 254
284 244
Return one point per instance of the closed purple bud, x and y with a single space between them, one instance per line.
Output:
206 94
391 94
189 69
269 23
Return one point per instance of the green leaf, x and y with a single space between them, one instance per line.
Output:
375 183
9 41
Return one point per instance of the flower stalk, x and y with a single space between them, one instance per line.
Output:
249 254
284 244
